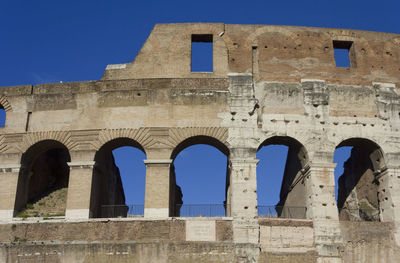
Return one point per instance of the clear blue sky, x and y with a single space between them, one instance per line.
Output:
51 41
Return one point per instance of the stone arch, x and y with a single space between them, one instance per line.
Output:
44 172
175 190
358 186
119 142
289 142
141 136
377 154
38 147
107 196
3 145
200 139
5 104
63 137
292 198
4 108
179 135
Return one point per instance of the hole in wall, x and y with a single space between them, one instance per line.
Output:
202 53
342 53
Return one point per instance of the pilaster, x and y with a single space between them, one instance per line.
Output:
79 190
243 200
157 193
389 198
243 188
244 142
323 210
8 188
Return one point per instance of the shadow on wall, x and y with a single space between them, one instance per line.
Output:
358 191
43 180
108 196
292 197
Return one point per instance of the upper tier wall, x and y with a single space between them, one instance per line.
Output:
269 52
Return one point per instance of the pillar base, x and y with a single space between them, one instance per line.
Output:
6 215
77 214
156 212
329 260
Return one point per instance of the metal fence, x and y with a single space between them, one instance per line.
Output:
122 210
201 210
293 212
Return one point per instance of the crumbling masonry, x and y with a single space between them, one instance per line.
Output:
269 85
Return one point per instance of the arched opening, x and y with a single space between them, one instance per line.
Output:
199 177
118 180
281 190
359 163
43 180
2 117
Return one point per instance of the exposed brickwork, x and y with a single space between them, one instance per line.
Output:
269 85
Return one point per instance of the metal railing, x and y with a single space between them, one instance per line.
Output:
292 212
359 214
200 210
122 210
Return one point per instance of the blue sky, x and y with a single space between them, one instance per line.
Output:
50 41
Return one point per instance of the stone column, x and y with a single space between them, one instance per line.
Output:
323 210
157 193
243 199
243 188
321 189
244 141
8 189
79 190
389 198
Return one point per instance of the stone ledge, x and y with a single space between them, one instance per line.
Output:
284 222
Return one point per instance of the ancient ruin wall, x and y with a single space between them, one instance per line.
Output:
268 84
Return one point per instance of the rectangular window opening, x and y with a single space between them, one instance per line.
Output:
343 53
202 53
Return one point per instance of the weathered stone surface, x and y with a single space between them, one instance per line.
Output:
269 85
369 242
200 230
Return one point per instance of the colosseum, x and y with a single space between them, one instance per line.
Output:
268 85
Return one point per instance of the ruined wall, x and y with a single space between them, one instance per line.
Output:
272 53
293 192
369 242
160 241
107 189
357 196
116 104
154 241
129 252
267 83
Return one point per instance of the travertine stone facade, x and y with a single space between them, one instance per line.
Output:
269 85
